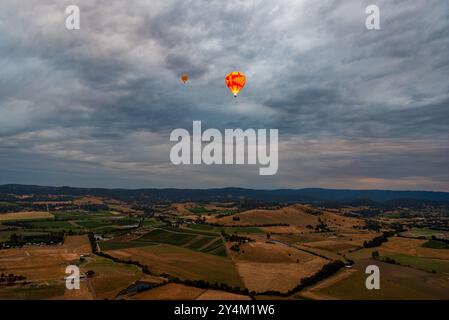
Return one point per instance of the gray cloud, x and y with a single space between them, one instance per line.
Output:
95 107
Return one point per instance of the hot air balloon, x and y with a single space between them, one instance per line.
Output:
235 82
185 77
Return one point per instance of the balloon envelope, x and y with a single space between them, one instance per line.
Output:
235 82
185 77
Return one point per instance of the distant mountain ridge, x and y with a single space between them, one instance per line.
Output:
308 195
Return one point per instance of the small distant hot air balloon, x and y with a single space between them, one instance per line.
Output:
185 77
235 82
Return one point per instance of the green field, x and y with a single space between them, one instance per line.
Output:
74 215
51 290
217 229
101 222
117 245
110 277
5 235
396 283
153 223
435 244
190 239
199 210
51 224
424 232
47 224
426 264
168 237
11 204
216 248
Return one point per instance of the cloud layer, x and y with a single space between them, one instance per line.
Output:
354 108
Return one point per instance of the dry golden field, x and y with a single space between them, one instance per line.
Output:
25 215
270 266
174 291
43 263
293 215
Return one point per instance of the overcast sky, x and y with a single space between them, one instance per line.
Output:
354 108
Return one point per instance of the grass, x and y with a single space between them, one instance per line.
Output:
168 237
424 232
392 215
186 264
153 223
196 241
217 229
101 222
92 224
353 287
199 210
216 248
125 221
50 224
32 293
5 235
42 225
110 277
81 215
25 215
200 242
117 245
426 264
435 244
202 210
11 204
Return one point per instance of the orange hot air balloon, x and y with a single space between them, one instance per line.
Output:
185 77
235 82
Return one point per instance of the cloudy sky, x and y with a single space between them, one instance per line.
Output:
354 108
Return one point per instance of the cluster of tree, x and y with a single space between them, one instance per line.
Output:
90 273
94 207
15 225
235 247
397 227
322 226
325 272
19 224
235 238
19 240
313 211
93 242
377 241
372 225
5 208
212 285
370 212
10 279
376 256
18 207
249 204
446 241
